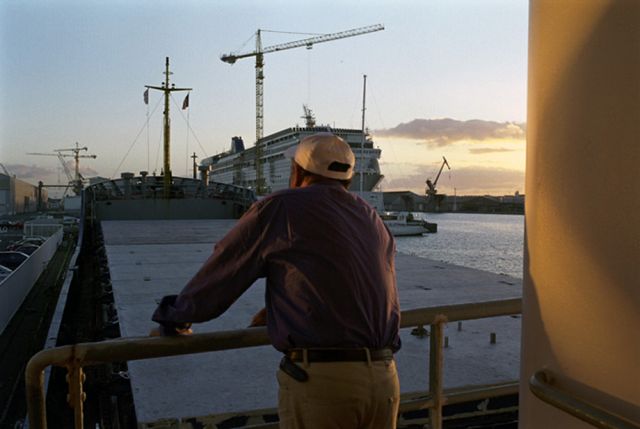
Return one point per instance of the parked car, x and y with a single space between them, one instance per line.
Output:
37 241
70 220
12 260
26 248
4 272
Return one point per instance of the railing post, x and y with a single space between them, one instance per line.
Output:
436 364
36 409
76 396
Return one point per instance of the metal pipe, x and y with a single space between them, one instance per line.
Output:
136 348
542 385
436 364
127 349
34 385
480 310
76 397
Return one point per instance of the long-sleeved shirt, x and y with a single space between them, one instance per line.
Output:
328 260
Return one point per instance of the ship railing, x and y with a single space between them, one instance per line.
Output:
544 384
151 188
75 357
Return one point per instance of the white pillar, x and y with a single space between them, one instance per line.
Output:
581 317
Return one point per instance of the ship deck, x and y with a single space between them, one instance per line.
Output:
150 259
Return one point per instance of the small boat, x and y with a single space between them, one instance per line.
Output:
404 224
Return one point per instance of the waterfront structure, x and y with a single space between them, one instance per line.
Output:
405 201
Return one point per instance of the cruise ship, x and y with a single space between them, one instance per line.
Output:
238 165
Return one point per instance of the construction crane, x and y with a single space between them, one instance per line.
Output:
75 180
431 190
309 119
259 54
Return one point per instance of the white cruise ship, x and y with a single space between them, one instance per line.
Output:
237 166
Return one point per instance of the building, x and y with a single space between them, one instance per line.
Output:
17 196
507 204
405 201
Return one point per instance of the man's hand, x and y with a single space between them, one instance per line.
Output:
160 331
259 319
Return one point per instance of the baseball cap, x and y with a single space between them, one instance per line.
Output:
324 154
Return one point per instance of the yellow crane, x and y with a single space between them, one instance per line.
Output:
75 181
259 54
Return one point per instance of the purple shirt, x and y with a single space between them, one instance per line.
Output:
329 263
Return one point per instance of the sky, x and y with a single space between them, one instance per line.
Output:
444 78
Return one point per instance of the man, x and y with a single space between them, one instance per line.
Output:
331 297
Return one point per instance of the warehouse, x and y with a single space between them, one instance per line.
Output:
17 196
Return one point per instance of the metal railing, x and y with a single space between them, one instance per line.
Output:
75 357
542 385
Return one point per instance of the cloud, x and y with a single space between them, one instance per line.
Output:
22 171
84 170
483 150
442 132
472 180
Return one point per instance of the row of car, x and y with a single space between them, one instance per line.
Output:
16 253
27 245
16 224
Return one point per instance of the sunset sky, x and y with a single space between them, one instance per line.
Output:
445 78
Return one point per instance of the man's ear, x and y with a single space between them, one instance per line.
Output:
297 175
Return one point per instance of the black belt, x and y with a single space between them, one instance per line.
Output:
339 355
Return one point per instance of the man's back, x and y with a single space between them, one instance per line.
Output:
330 269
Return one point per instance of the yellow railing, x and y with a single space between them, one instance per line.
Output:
75 357
543 386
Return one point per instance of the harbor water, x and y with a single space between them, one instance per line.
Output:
486 242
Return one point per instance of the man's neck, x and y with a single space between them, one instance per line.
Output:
318 180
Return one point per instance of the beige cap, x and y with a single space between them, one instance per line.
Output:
324 154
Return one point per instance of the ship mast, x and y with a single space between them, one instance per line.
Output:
167 127
364 96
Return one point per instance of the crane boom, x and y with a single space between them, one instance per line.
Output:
308 43
440 172
259 54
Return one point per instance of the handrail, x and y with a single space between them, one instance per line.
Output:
76 356
542 385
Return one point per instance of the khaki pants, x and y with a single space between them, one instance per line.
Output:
340 395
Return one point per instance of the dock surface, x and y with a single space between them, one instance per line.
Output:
150 259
